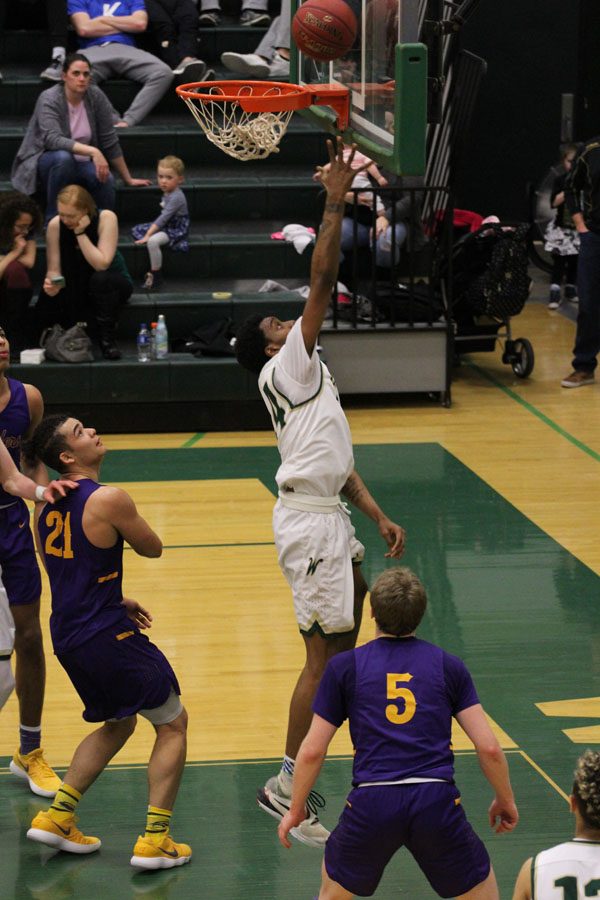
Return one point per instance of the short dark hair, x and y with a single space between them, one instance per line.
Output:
46 443
12 204
586 788
399 601
74 57
250 344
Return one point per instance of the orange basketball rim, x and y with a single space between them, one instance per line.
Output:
247 119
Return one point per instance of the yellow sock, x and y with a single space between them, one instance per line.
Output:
64 804
157 824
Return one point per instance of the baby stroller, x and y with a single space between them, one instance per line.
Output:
490 284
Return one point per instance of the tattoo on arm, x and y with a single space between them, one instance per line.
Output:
353 489
334 207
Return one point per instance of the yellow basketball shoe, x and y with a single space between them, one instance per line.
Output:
43 780
63 836
165 855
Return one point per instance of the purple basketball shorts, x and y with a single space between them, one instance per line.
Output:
426 818
20 572
118 672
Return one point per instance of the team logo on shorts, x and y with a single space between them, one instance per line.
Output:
312 565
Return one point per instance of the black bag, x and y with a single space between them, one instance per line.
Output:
213 339
70 346
500 291
405 305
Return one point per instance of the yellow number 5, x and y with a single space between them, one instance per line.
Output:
59 526
393 693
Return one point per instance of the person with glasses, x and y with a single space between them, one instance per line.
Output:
71 139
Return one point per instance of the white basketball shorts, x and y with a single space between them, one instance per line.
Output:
7 625
316 551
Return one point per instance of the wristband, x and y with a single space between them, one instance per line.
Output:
39 492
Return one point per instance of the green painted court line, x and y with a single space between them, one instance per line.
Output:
239 544
193 440
536 412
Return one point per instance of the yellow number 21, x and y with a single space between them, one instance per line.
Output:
59 526
393 693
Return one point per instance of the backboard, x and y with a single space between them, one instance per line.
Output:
386 73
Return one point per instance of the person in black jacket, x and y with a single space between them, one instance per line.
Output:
582 197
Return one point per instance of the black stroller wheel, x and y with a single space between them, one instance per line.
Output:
522 358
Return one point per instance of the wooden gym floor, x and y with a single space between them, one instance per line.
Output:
500 497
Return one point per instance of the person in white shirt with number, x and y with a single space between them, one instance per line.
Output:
318 551
570 871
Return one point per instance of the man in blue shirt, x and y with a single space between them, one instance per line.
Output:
400 694
106 35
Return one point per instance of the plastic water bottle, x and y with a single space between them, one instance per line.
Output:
143 343
162 338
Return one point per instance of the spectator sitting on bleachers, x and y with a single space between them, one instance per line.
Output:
86 278
20 217
271 59
253 13
70 139
105 34
174 26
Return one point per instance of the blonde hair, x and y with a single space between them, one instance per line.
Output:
79 197
586 788
399 601
172 162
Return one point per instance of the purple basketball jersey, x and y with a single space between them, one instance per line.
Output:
14 423
85 580
400 695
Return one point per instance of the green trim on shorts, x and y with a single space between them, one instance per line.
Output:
315 628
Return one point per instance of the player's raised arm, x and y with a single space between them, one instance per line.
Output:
355 490
336 178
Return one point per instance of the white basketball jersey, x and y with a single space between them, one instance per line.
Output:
312 431
569 871
7 625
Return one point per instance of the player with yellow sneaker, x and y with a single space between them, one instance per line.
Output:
96 635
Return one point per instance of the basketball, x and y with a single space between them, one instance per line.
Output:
324 29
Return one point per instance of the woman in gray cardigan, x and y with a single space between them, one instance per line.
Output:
71 139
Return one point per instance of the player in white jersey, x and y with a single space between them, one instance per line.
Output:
316 545
570 871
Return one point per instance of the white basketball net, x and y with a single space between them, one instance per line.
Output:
243 135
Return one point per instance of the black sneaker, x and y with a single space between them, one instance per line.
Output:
571 293
554 298
254 17
209 19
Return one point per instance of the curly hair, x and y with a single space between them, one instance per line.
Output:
250 344
586 788
47 443
11 206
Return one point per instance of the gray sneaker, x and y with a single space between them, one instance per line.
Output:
279 68
249 64
254 18
273 801
54 71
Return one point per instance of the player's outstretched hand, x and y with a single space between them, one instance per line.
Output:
503 816
337 177
59 488
289 821
394 536
137 613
